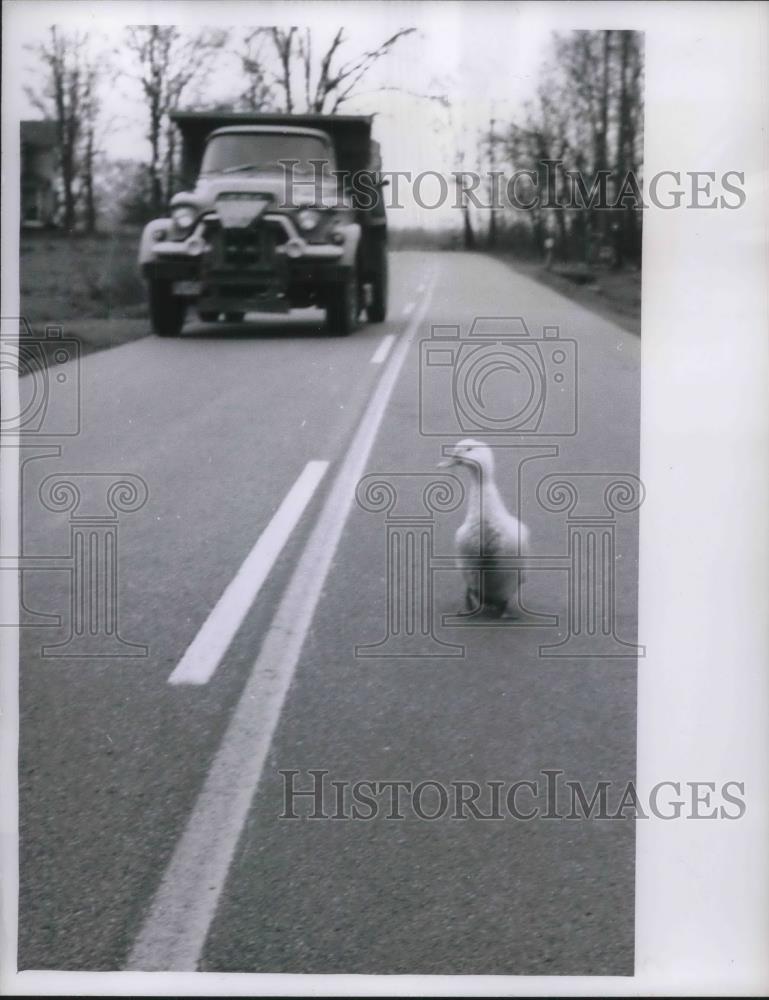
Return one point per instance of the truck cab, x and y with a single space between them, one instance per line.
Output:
279 212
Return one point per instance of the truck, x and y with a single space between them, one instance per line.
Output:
278 212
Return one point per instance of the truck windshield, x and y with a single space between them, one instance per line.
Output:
264 151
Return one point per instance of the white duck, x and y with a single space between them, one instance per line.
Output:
489 530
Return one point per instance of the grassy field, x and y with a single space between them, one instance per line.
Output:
90 285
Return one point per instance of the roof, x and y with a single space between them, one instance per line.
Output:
250 117
270 130
39 133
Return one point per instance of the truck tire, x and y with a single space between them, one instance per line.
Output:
166 310
343 306
377 309
208 317
234 317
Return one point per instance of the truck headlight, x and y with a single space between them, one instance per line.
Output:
184 217
308 219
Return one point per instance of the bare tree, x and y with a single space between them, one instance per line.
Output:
321 81
588 117
168 62
629 135
258 95
91 107
61 97
283 42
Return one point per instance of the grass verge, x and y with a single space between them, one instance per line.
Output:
616 295
88 285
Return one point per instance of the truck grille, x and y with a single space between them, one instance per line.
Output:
248 249
241 248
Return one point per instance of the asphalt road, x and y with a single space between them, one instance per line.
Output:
123 773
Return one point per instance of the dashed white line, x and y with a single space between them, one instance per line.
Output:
380 354
206 650
420 288
408 308
174 932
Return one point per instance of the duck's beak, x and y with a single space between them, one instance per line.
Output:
450 459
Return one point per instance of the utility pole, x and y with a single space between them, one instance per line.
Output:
492 184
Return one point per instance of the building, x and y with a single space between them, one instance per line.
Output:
38 173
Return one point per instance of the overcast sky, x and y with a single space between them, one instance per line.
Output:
485 57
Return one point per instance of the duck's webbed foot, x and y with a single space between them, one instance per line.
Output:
472 602
512 609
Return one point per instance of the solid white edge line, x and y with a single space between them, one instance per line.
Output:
380 354
205 652
174 932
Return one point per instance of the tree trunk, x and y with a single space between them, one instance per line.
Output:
469 234
67 178
621 215
492 228
599 220
170 161
492 185
156 185
88 186
66 132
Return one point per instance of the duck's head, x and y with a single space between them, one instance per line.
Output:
474 454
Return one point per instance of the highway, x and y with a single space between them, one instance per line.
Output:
151 791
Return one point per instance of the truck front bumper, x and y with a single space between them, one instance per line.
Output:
267 268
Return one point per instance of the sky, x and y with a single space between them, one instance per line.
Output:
485 57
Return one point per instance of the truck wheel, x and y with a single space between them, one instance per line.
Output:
166 310
208 317
343 306
234 317
377 309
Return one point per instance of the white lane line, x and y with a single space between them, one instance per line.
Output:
420 288
408 308
174 932
380 354
206 650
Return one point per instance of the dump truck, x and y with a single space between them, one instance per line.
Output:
278 212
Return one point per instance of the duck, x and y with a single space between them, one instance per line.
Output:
488 530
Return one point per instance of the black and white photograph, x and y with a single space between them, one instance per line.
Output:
384 475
